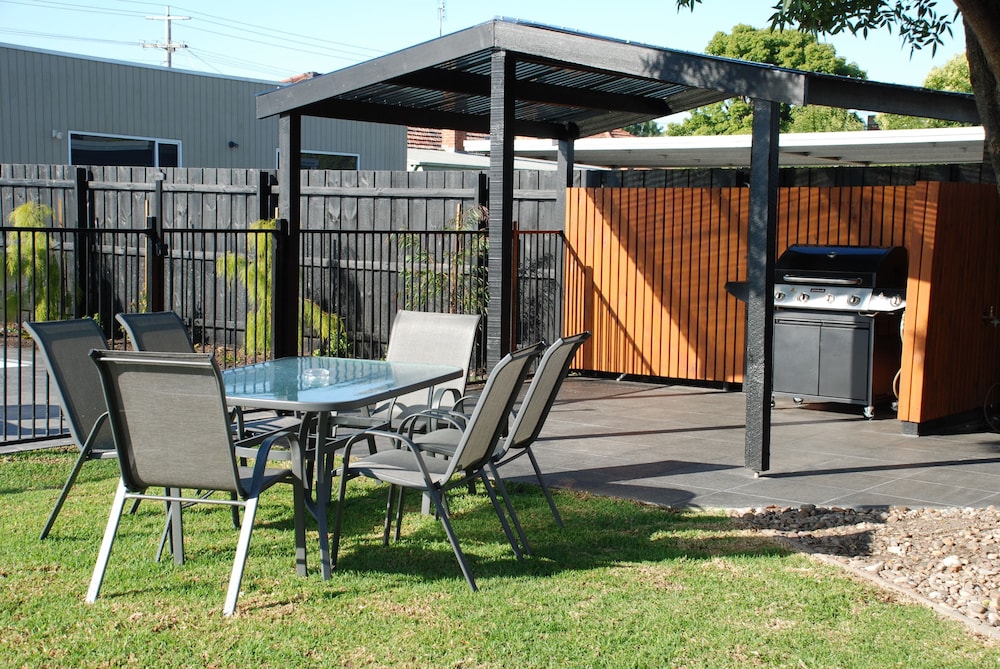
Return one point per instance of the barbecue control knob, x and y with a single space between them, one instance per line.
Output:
779 296
854 300
830 297
803 297
896 300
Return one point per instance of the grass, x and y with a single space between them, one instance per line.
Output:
623 585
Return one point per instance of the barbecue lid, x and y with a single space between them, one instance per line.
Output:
886 266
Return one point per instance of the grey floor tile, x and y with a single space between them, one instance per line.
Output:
686 445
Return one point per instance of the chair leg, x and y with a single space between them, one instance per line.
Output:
338 517
239 562
500 515
443 514
84 456
502 489
114 518
164 534
399 512
174 511
387 525
545 488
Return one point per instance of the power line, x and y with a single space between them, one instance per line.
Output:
32 33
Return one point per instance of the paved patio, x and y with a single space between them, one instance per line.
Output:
677 445
683 446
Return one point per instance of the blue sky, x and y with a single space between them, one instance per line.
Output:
271 40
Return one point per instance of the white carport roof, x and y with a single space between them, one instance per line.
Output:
938 146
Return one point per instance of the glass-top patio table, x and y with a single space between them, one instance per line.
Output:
320 387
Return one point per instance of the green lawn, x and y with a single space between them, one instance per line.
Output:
623 585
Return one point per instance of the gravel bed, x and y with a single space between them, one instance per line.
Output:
947 558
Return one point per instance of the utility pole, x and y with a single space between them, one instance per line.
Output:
168 44
440 17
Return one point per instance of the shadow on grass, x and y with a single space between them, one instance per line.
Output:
599 532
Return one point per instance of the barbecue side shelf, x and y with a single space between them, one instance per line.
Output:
831 356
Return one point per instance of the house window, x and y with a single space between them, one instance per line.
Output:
100 149
325 160
321 160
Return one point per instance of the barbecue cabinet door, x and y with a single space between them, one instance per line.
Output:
844 357
795 361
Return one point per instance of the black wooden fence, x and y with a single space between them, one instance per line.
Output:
137 239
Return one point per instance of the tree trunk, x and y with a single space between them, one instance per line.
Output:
982 48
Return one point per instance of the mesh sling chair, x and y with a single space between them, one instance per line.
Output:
406 466
528 422
64 346
171 428
164 331
444 339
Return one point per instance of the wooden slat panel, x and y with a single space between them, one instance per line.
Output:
662 256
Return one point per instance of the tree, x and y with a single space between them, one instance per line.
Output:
645 129
919 25
254 271
34 275
785 48
952 76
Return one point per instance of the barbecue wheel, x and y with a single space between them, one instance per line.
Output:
991 407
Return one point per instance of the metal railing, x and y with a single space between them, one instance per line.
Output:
220 281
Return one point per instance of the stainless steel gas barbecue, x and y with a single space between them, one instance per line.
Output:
837 317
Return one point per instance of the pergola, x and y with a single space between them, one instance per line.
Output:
514 79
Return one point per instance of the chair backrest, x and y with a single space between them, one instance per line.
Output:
156 331
489 418
542 391
442 339
168 414
64 346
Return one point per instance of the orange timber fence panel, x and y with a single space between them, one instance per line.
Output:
646 272
950 340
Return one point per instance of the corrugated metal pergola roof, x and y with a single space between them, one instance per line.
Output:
569 85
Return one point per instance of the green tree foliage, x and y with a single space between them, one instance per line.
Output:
645 129
952 76
34 274
919 25
785 48
255 270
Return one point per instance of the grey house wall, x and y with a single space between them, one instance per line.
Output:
44 95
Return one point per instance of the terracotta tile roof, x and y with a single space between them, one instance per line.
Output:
294 79
440 140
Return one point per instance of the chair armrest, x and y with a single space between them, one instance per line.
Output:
437 399
88 445
236 417
453 418
409 444
253 447
264 452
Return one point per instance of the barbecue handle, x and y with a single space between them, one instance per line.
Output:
825 281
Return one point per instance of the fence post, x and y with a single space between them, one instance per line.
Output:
82 193
285 304
265 195
155 249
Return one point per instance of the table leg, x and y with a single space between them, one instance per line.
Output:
323 491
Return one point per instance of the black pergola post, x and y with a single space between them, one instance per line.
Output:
499 327
757 381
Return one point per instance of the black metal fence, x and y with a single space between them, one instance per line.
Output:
220 282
